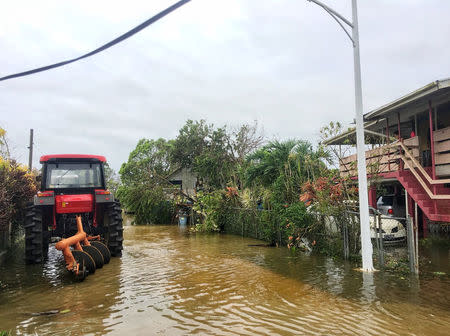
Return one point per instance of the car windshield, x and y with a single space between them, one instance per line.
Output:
73 175
386 200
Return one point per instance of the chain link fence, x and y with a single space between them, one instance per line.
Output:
394 239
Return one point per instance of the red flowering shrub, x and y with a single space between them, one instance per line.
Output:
231 192
326 193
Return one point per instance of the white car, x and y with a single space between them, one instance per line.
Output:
393 230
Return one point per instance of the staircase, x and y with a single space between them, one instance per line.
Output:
434 209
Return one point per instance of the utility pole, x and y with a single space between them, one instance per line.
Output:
366 244
30 155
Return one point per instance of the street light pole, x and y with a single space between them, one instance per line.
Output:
366 244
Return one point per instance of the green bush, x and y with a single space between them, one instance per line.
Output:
149 205
296 221
214 209
17 187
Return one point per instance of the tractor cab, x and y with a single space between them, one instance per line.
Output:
75 184
72 173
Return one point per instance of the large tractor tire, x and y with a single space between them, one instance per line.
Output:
36 237
114 228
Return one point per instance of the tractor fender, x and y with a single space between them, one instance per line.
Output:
48 200
104 198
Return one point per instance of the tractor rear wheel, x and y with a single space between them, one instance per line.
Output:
114 228
36 238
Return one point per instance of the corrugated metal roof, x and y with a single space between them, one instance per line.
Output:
370 118
421 93
349 137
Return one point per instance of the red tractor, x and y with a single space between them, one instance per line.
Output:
74 207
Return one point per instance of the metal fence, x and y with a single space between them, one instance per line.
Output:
392 237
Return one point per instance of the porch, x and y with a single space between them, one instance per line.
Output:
410 143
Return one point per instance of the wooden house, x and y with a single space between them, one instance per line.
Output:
410 140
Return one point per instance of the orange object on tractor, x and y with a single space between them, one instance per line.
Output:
72 201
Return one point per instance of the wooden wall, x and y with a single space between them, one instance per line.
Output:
442 151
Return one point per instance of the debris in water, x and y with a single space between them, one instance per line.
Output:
49 312
439 273
305 245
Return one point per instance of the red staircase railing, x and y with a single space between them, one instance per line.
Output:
430 194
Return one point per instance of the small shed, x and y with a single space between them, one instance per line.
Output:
185 178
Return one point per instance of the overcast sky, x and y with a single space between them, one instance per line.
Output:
284 63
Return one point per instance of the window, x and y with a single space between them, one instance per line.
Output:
401 200
386 200
73 175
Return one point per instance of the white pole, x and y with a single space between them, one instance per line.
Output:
366 244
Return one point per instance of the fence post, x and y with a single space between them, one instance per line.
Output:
377 234
346 247
410 237
255 224
416 240
30 154
380 232
411 248
279 234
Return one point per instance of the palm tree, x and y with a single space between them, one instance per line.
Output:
294 159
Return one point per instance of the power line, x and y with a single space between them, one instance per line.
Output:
105 46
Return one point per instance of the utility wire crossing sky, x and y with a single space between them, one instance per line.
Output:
105 46
284 63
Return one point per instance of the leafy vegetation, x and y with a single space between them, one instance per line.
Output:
190 143
112 180
214 154
148 203
17 187
273 191
143 179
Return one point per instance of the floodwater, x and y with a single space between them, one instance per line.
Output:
169 282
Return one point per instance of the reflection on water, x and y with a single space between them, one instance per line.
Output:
169 282
27 290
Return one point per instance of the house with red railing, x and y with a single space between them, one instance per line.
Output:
410 149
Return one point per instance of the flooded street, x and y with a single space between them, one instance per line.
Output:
169 282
